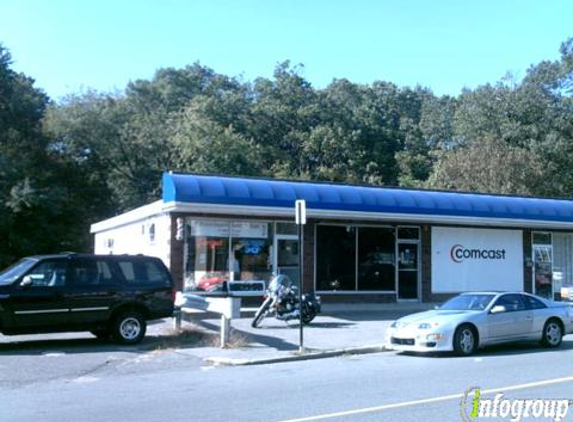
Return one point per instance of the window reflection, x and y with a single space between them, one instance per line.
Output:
251 259
207 259
218 252
336 258
377 263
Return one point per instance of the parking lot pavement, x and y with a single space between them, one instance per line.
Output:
339 329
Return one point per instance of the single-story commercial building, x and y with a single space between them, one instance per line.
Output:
361 243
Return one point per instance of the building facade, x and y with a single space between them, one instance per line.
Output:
361 244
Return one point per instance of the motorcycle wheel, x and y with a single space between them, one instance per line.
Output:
260 314
308 315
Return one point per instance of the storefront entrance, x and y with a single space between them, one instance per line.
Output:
408 270
543 264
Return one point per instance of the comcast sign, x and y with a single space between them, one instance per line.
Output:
459 253
466 259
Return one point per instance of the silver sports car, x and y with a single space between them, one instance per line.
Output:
479 319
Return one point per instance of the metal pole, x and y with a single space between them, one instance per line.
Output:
225 331
301 274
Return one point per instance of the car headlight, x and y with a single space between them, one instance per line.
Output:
427 325
434 337
394 324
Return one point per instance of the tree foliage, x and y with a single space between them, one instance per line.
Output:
92 155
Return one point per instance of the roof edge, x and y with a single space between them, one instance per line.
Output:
141 213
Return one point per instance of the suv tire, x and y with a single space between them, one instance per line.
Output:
129 327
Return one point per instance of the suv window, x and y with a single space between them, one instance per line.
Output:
11 274
51 273
144 272
85 272
512 302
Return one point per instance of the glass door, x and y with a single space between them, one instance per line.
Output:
286 256
408 271
543 270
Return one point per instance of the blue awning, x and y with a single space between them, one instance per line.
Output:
263 193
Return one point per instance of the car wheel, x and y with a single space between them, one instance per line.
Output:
552 333
129 328
465 340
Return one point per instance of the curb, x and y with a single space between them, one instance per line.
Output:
297 357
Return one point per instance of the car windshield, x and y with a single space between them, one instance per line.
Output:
10 274
473 302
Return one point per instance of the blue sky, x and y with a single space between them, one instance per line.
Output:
68 46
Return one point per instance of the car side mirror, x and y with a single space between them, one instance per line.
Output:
26 281
498 309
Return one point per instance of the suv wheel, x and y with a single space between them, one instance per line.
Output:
129 327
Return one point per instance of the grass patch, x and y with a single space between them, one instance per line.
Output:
237 340
190 336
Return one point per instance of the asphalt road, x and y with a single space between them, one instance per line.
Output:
85 380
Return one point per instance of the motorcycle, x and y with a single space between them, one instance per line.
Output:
281 300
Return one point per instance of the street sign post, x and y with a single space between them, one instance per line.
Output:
300 219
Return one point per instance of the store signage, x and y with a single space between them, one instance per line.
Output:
466 259
253 230
226 229
459 253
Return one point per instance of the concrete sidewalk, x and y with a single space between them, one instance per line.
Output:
339 329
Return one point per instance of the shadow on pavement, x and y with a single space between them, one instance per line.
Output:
68 346
41 345
368 316
279 325
509 349
266 340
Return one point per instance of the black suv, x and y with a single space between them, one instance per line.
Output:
109 295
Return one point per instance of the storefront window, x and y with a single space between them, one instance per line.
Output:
218 252
540 238
286 228
207 256
408 233
354 258
251 246
336 257
376 257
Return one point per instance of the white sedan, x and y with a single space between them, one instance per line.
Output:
479 319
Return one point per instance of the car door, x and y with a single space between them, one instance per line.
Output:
92 291
37 300
540 314
514 323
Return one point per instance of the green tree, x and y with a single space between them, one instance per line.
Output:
37 203
490 166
